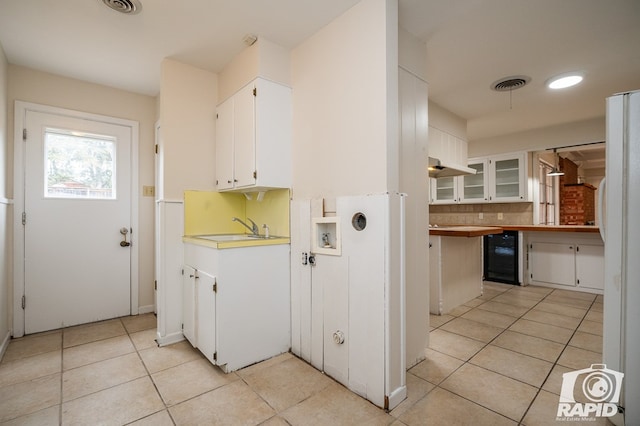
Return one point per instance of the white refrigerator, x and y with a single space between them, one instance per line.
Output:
621 232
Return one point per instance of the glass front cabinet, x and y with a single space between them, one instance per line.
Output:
498 179
474 188
508 178
444 190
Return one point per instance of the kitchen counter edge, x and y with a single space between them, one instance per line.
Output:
234 244
465 231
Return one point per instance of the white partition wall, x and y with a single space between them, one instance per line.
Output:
348 305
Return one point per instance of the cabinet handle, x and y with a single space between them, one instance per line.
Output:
228 181
235 180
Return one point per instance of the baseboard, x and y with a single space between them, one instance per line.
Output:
396 397
146 309
5 344
170 339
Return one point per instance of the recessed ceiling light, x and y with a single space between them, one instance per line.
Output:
563 81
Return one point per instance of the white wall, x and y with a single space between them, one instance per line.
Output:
264 59
5 209
48 89
579 132
447 121
188 97
414 121
340 103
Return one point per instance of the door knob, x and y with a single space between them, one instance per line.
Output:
124 231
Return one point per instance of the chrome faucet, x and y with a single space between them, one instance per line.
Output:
253 228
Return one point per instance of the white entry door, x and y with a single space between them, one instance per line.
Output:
77 204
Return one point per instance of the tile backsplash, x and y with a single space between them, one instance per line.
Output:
469 214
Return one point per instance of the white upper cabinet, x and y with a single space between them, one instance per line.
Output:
445 190
508 177
466 189
474 188
253 138
498 179
224 145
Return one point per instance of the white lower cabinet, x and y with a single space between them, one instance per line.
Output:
206 315
552 263
590 266
571 261
236 303
189 304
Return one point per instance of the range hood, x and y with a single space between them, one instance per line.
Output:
439 168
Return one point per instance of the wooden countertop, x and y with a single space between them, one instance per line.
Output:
478 231
465 231
551 228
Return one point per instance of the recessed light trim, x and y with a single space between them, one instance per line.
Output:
563 81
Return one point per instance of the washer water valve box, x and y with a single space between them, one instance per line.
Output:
325 236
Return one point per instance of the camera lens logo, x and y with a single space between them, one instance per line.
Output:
598 387
597 390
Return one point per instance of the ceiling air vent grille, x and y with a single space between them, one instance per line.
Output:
129 7
510 83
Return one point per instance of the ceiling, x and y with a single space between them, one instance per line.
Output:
470 44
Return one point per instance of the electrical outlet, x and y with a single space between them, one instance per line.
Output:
500 216
480 215
149 191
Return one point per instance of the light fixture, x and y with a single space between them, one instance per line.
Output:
555 171
565 80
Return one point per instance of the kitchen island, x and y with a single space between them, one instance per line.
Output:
569 257
455 265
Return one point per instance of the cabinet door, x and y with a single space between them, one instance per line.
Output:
445 190
224 145
189 304
206 315
473 188
590 266
244 137
508 178
552 263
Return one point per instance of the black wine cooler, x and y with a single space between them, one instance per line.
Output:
501 257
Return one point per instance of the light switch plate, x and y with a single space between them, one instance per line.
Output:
500 216
149 191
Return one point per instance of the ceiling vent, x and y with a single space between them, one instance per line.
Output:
510 83
128 7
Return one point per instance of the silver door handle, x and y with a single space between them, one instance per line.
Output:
124 243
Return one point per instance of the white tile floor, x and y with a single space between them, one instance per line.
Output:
496 360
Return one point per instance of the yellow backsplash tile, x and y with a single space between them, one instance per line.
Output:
208 212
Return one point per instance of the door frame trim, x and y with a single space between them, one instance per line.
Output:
21 108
